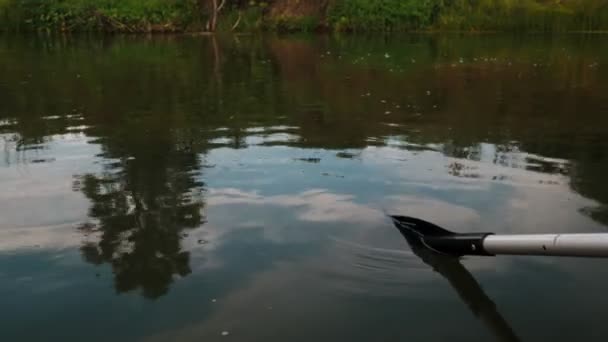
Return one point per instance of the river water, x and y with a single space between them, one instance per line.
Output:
189 188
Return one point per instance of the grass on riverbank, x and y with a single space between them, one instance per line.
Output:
104 15
339 15
469 15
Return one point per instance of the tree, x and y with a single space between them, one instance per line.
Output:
214 7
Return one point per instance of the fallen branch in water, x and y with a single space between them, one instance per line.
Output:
113 23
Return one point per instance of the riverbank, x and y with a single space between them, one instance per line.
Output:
311 15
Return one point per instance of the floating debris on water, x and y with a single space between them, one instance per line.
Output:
225 333
500 178
42 160
329 174
345 155
309 160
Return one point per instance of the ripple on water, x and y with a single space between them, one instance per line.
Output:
364 270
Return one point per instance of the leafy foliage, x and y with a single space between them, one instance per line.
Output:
341 15
537 15
109 15
382 14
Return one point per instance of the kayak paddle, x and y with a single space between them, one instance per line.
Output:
443 241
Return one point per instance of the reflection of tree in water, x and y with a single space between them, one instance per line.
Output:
588 178
140 207
147 195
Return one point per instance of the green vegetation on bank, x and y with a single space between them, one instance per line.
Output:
105 15
469 15
340 15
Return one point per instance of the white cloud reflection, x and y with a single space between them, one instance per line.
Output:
316 205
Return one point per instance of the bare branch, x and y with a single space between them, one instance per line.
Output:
237 22
219 8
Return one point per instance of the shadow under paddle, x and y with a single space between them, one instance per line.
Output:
466 286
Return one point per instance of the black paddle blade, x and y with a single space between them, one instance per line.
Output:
411 225
421 234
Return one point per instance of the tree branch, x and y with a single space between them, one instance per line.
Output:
237 22
219 8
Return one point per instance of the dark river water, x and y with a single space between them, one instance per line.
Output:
190 188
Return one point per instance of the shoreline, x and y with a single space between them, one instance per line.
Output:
295 32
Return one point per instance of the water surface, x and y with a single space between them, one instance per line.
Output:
234 188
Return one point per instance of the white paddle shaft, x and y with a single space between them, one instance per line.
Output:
576 245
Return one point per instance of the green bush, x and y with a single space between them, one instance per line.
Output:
528 15
469 15
136 15
341 15
382 15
